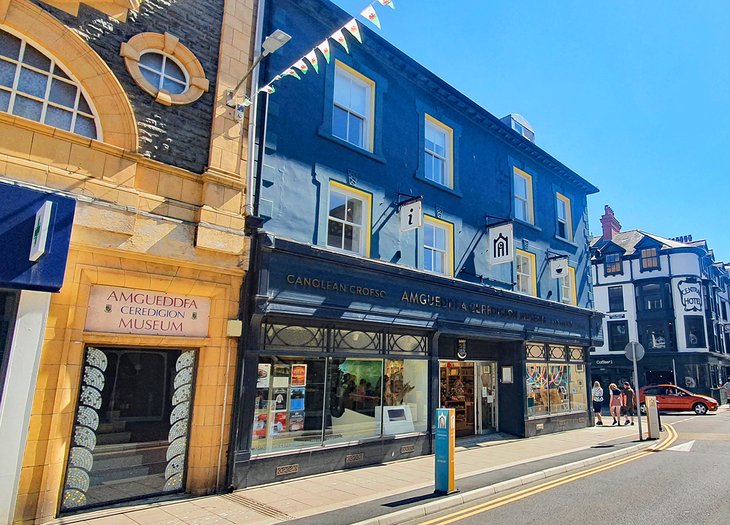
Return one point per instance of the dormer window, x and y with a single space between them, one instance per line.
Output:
649 259
612 264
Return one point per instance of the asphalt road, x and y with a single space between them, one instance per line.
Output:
689 483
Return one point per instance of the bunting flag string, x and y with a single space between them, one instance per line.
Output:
371 15
324 48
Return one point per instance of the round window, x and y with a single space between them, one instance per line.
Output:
163 72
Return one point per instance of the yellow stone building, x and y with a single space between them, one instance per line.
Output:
119 107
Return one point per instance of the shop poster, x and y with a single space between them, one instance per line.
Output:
262 399
296 421
298 375
296 399
260 426
279 398
281 376
263 375
278 426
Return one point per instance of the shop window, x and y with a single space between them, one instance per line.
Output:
438 152
352 114
612 264
34 86
618 335
576 353
538 402
567 288
557 353
407 343
565 222
649 259
525 268
615 299
289 403
164 68
437 246
311 402
558 389
522 188
694 327
131 427
578 391
348 221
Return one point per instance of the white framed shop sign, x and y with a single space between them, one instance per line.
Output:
145 312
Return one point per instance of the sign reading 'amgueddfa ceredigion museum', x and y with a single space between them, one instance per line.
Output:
145 312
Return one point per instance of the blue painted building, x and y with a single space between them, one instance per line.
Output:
372 297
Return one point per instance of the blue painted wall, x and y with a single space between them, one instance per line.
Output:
18 207
302 157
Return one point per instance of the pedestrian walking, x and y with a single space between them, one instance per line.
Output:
726 386
629 402
614 403
597 397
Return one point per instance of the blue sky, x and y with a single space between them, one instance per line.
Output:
633 96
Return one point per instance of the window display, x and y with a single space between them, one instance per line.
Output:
554 386
304 402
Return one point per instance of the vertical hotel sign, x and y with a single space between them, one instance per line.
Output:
145 312
445 438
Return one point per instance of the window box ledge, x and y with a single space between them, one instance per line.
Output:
369 154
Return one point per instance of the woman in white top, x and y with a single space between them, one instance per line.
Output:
597 396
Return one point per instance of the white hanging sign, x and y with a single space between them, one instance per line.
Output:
411 216
501 244
558 267
40 231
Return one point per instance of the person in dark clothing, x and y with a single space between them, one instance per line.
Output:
629 402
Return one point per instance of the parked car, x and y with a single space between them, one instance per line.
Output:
674 398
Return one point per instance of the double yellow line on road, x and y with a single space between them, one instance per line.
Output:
525 493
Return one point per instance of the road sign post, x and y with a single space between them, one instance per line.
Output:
634 352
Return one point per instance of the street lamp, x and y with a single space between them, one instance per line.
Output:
271 44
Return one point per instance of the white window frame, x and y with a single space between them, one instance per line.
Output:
446 252
344 71
525 203
568 287
45 100
526 283
366 202
561 201
446 159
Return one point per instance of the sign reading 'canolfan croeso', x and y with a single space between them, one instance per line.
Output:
144 312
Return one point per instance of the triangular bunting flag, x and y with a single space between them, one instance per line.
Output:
389 3
267 89
312 57
302 66
371 15
354 29
340 38
275 79
292 73
324 47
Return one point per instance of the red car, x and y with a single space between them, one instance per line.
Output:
672 397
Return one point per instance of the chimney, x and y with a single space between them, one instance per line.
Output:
609 223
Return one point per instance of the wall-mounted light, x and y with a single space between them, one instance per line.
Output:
271 44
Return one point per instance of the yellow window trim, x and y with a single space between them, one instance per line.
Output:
368 198
371 116
450 242
533 266
529 191
573 291
568 215
450 145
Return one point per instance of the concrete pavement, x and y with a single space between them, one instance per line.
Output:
371 494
